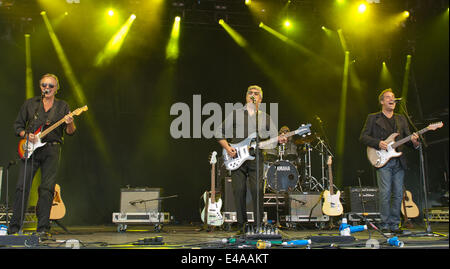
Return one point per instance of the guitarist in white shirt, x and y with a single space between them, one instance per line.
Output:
240 124
40 111
378 127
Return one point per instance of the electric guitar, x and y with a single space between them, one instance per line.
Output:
332 205
211 213
25 151
379 158
245 149
409 208
58 210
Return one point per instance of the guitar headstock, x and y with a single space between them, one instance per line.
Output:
304 130
212 158
329 161
79 110
435 126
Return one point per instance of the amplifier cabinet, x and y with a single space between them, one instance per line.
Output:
140 200
357 196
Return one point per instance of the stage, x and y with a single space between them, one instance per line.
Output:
195 236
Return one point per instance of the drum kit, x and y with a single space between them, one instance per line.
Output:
288 168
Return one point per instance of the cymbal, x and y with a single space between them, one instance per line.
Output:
304 140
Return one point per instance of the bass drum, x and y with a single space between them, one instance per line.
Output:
286 176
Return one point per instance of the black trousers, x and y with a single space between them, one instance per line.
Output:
239 177
47 158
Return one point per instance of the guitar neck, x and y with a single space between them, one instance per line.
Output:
213 183
51 128
408 138
274 139
330 175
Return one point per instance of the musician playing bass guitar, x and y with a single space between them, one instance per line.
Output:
36 114
237 127
378 127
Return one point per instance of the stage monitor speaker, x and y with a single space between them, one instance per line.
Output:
354 202
229 202
135 200
301 204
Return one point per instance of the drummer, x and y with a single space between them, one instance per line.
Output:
290 149
284 151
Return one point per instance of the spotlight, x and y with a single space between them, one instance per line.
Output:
43 12
177 18
287 24
133 16
111 12
362 8
405 14
248 2
221 21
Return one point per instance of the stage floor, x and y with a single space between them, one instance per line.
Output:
196 237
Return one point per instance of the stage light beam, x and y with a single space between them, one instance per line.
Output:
115 43
172 49
77 88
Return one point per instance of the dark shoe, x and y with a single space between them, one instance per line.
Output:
43 235
397 231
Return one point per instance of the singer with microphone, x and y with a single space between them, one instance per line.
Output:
378 127
237 126
40 111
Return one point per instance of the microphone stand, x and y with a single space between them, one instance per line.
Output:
35 116
11 163
422 167
258 213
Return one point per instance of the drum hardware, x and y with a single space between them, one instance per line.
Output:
323 150
312 183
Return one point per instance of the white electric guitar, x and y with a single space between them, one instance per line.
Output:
211 213
245 149
331 205
379 158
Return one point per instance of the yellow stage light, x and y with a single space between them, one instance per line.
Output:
362 8
110 12
287 24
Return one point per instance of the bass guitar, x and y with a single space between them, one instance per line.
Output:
378 158
331 205
58 210
25 149
211 213
245 150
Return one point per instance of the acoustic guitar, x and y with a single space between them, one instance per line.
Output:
409 208
58 210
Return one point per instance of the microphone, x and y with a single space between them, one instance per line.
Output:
44 92
398 99
253 99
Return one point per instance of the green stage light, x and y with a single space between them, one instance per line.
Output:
172 49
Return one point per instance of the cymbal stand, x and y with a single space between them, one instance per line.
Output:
314 185
324 152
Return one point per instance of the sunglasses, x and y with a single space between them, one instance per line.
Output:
253 93
44 85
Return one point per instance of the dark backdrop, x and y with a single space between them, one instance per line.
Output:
129 100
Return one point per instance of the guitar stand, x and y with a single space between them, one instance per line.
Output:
60 225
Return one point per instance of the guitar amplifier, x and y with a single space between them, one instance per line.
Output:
140 200
355 198
305 207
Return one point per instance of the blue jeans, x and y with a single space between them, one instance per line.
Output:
390 186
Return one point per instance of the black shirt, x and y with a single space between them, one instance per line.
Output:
32 116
